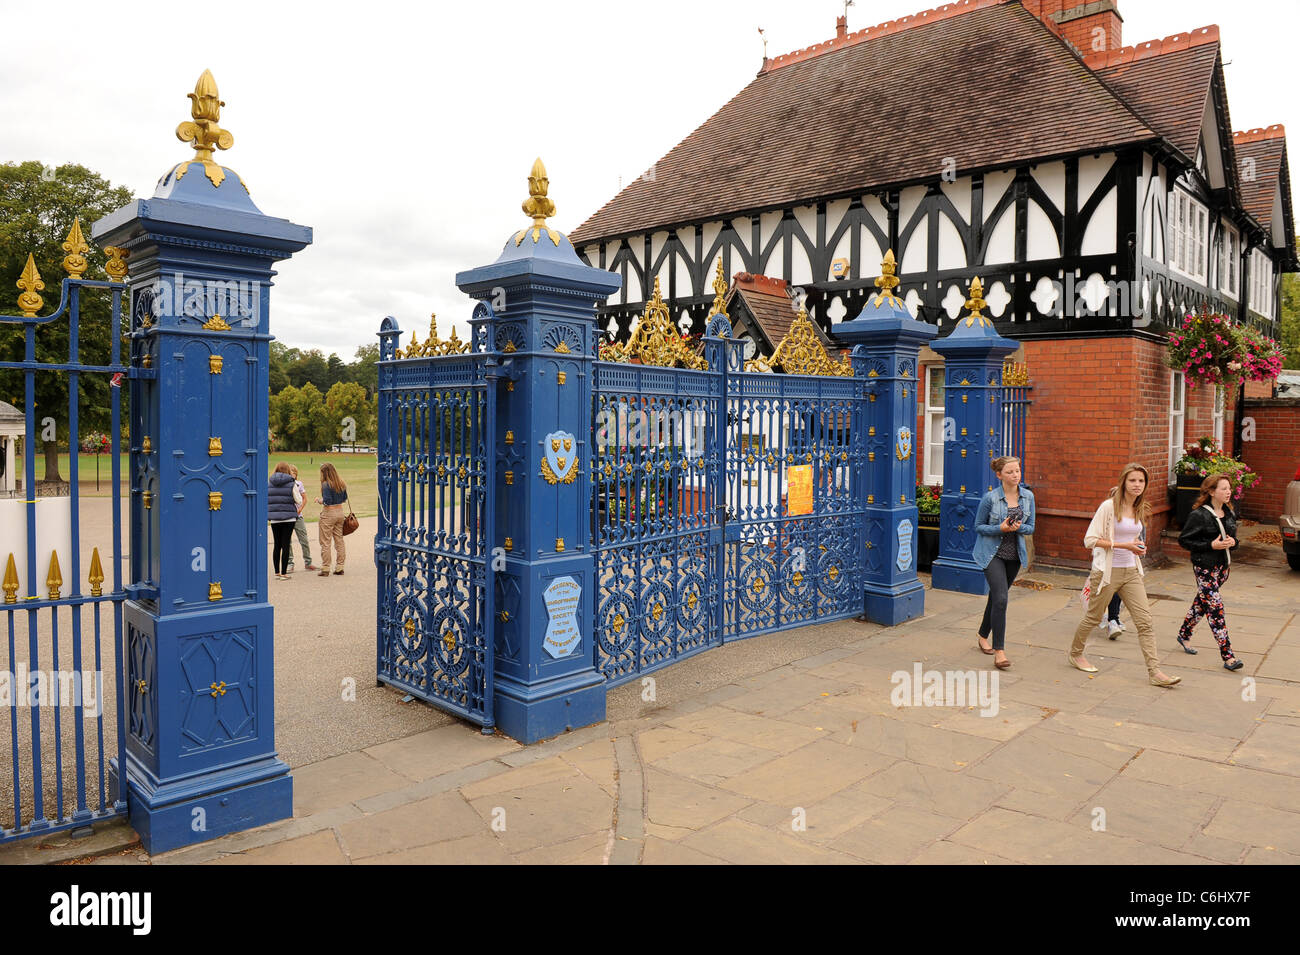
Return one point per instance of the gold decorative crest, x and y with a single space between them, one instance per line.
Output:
214 590
214 447
217 324
1015 374
214 364
802 353
656 340
538 206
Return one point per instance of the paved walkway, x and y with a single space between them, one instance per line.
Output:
789 748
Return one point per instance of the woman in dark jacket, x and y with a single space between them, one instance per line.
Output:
282 512
1210 533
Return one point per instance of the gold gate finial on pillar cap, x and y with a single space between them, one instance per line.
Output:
10 585
887 281
976 303
538 206
202 131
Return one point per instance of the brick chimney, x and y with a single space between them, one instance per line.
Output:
1092 27
841 27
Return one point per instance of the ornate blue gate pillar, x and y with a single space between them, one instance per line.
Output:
199 707
888 341
972 355
538 314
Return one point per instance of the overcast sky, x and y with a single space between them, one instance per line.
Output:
403 133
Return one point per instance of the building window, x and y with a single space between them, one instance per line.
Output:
934 417
1189 225
1229 256
1261 283
1219 403
1177 404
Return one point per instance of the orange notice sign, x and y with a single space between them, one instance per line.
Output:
799 496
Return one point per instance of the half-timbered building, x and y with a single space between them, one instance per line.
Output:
1096 189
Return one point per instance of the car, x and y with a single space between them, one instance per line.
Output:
1289 523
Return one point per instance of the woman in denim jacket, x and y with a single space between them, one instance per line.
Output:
1004 519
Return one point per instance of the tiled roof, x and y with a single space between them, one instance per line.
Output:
1167 88
877 112
1262 149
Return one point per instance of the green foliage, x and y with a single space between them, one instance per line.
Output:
1203 457
927 498
36 214
1290 321
347 399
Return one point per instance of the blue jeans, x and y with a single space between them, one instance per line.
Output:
999 573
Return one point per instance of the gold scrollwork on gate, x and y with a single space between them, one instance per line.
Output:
656 340
802 353
433 346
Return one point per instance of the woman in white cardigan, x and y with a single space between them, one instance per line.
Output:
1116 538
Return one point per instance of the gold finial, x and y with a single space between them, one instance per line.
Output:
10 584
29 303
54 579
976 303
96 574
116 264
538 206
203 131
74 263
719 293
887 281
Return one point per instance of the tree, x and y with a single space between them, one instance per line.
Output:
348 400
310 367
1289 333
37 209
364 370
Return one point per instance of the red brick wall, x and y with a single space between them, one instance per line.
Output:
1274 454
1097 405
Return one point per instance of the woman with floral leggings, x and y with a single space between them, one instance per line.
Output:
1210 533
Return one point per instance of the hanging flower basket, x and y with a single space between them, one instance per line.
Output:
1210 349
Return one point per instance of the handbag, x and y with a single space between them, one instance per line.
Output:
350 522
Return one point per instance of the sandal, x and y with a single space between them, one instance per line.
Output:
1234 665
1183 641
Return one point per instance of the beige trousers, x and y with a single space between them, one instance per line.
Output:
330 530
1132 591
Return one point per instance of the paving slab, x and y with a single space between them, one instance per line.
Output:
686 806
480 849
714 760
808 775
896 835
663 852
1256 825
745 843
938 791
548 814
1233 782
440 750
340 780
1148 812
437 819
744 727
319 848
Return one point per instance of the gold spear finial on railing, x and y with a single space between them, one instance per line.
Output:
719 293
10 585
29 303
202 131
976 303
538 206
96 574
887 281
54 579
116 264
74 263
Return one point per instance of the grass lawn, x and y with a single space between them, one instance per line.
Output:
357 471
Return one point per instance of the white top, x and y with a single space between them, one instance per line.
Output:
1126 532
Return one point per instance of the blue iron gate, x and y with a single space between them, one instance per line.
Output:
437 409
724 504
52 708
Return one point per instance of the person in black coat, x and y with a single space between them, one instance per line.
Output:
1210 533
282 512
